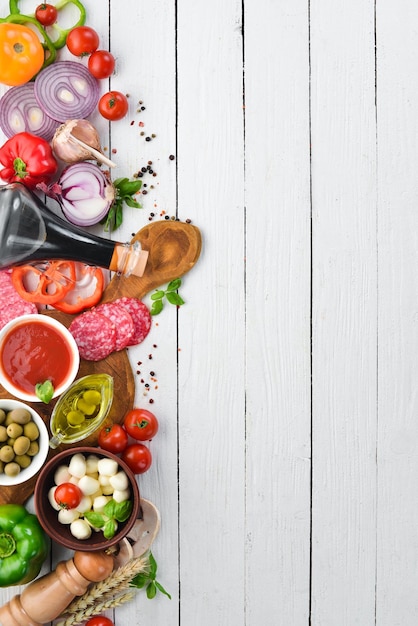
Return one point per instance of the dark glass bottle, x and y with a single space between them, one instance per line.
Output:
30 232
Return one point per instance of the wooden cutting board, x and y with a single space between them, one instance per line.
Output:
174 247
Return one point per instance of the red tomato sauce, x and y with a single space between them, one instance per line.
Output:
33 353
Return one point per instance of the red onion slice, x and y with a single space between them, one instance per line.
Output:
66 90
20 112
86 193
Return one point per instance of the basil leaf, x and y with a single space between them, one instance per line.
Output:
109 509
152 565
151 590
110 528
95 519
158 295
123 510
174 284
157 307
174 298
44 391
139 581
161 588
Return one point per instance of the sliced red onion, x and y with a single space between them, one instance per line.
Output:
20 112
66 90
85 193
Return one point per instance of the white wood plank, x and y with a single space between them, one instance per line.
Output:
344 350
277 312
211 326
397 109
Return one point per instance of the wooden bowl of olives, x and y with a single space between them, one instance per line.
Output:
23 442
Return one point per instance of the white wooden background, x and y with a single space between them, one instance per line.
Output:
286 466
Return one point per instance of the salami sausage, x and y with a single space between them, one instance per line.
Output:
94 334
140 315
12 305
122 320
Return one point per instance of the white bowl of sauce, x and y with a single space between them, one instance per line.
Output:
33 349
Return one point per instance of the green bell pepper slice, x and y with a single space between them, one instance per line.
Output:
23 545
59 41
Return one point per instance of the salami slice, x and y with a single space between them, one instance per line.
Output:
122 320
12 305
94 334
140 315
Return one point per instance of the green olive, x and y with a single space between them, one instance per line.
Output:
12 469
75 418
21 445
31 431
23 460
3 434
11 441
20 416
86 407
14 430
2 416
33 448
91 396
6 454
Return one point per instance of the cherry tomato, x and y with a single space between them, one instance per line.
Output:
101 64
113 438
82 40
46 14
68 495
113 105
137 457
99 620
141 424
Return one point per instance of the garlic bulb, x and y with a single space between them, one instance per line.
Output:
78 140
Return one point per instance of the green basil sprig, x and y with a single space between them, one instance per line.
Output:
113 513
170 293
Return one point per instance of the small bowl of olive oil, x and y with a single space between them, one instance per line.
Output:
81 410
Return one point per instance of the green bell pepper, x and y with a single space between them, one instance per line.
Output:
23 545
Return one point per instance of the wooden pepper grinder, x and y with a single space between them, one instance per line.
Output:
45 599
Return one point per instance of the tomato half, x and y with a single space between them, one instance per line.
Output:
101 64
141 424
68 495
82 41
113 105
21 54
137 457
113 438
99 620
46 14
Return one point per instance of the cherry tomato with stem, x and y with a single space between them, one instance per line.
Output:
99 620
137 457
113 105
68 495
141 424
101 64
46 14
113 438
82 41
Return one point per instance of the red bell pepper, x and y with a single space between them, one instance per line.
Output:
86 292
44 283
27 159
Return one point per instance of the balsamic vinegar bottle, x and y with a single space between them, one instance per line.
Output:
30 232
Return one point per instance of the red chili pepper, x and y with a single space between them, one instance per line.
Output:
87 291
46 283
27 159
